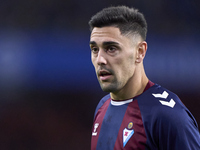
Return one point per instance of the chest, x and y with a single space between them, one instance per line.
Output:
119 127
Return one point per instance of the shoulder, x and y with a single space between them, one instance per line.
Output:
158 96
101 102
162 108
166 105
166 117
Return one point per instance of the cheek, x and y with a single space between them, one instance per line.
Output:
125 67
93 61
119 67
125 62
95 66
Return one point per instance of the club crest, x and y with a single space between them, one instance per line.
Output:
127 133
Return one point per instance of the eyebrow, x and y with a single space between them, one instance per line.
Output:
93 43
105 43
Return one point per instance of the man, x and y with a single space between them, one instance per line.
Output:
137 114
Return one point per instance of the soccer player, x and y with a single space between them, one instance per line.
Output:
137 114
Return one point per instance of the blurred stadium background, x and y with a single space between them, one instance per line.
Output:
48 87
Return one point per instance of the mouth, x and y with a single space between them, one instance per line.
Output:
104 75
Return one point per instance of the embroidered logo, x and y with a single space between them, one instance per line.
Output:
94 133
130 125
127 133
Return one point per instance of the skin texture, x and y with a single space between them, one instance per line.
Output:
118 62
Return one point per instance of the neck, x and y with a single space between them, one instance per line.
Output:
134 87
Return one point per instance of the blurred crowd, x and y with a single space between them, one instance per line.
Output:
177 15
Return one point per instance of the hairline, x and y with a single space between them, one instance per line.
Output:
130 34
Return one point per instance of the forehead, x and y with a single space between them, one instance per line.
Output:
100 35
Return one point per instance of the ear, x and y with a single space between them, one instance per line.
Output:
141 51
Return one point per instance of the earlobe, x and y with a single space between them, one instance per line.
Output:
141 51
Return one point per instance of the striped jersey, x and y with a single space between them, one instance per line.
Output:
154 120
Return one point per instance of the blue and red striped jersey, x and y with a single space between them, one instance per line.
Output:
154 120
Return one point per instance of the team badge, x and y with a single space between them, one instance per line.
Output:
127 133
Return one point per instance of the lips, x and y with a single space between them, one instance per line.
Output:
104 75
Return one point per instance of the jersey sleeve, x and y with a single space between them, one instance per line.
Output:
176 128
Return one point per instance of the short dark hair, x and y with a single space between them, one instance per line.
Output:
128 20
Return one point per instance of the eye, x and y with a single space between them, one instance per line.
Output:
94 50
111 49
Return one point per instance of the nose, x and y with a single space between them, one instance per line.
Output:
101 58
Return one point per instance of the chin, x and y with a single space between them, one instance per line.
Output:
110 88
